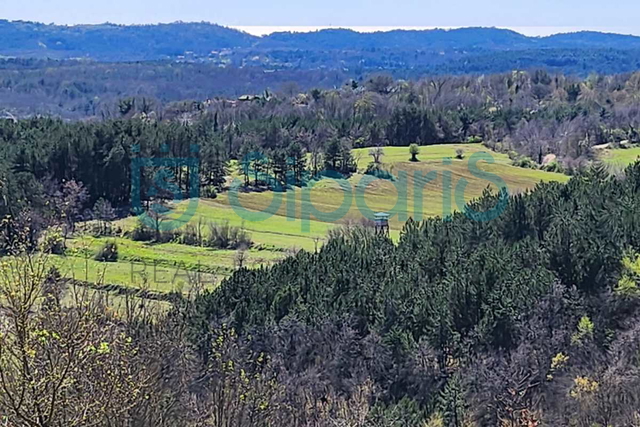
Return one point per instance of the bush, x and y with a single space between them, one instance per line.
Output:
378 171
209 192
53 242
224 236
142 233
553 167
524 162
474 139
189 236
108 252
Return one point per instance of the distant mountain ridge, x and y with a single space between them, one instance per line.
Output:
204 41
109 42
79 71
402 39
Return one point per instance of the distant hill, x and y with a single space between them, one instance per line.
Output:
227 46
463 38
108 42
82 71
591 39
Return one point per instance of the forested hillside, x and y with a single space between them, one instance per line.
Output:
109 42
78 89
539 119
527 318
82 71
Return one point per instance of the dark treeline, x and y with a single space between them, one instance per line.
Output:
528 319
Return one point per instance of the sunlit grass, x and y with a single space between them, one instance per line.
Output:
163 267
115 302
429 153
291 218
295 219
621 157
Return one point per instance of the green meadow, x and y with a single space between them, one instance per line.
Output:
300 214
159 267
621 157
300 218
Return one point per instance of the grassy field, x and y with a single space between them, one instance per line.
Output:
288 218
300 218
163 267
621 157
124 305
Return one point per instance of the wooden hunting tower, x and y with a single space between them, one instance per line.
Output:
382 223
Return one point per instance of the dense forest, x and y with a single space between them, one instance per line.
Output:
78 90
529 319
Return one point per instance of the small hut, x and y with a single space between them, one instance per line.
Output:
382 223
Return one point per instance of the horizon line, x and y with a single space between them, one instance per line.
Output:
529 31
265 30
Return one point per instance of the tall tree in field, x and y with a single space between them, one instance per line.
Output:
297 160
333 155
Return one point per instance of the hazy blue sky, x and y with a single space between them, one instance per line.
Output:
614 15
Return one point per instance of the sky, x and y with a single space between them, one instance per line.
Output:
532 17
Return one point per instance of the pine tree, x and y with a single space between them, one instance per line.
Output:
452 402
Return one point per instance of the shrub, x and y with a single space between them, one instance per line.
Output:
524 162
209 192
189 235
224 236
585 330
108 252
53 242
553 167
375 169
142 233
628 283
474 139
